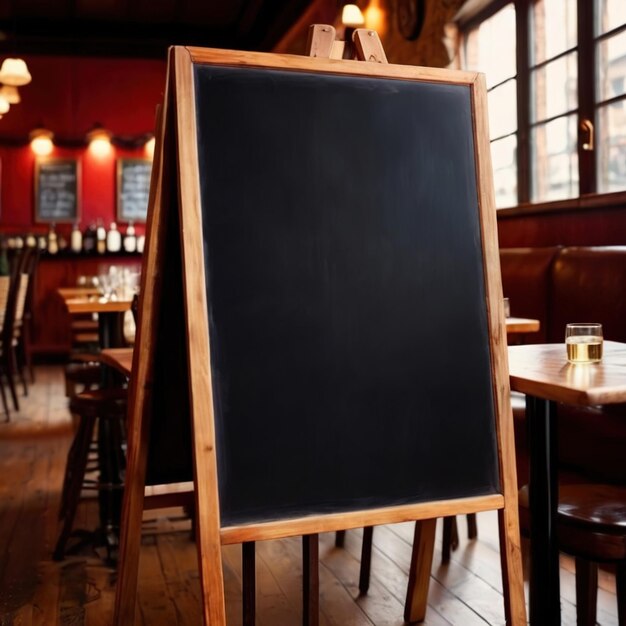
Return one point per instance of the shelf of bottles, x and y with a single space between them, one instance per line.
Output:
95 240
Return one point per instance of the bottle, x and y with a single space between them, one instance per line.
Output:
42 243
130 240
101 238
76 239
89 239
53 245
31 242
141 240
114 239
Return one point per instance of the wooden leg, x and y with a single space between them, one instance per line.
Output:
511 563
74 482
4 400
11 377
472 527
310 580
586 592
419 574
340 537
620 583
366 559
248 576
450 540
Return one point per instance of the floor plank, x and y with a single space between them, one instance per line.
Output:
81 589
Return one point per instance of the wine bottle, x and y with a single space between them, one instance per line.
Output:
76 239
53 244
141 240
89 239
101 238
130 240
114 239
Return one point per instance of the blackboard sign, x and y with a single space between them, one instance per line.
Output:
57 183
133 187
325 301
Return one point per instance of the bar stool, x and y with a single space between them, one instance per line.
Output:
108 407
592 528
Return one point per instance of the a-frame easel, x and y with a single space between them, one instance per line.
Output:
174 222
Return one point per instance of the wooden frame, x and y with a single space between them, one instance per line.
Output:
57 214
128 210
171 185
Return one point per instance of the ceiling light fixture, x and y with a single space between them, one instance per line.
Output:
14 72
4 105
10 93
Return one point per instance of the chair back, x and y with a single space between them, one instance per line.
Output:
5 282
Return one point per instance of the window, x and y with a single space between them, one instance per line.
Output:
490 48
556 75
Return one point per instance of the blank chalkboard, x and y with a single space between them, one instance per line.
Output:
133 189
347 319
324 305
57 183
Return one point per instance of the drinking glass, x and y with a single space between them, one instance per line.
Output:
584 343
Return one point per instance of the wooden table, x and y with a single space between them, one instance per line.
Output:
542 372
110 314
521 325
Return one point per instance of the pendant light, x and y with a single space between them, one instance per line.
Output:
15 73
10 94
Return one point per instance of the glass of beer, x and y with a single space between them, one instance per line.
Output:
584 343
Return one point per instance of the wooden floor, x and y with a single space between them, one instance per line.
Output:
80 590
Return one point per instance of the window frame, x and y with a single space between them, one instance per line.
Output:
588 195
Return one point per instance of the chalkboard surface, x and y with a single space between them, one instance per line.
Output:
347 310
133 189
56 190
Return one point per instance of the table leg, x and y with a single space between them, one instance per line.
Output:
545 608
111 464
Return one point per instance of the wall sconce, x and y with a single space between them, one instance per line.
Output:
14 72
41 141
99 140
149 146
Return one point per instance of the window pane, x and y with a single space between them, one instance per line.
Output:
554 88
555 160
611 147
504 157
611 66
554 28
490 48
610 14
503 109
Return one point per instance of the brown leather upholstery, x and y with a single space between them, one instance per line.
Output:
589 285
526 281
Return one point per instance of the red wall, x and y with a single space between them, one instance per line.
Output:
68 95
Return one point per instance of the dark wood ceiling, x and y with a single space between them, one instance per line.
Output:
142 28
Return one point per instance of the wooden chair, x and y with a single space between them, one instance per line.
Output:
591 528
12 321
5 282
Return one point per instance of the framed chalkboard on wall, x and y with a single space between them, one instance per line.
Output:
57 197
133 186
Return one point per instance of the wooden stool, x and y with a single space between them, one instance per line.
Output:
92 405
592 528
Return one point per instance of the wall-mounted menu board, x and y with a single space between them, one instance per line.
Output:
133 186
57 190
